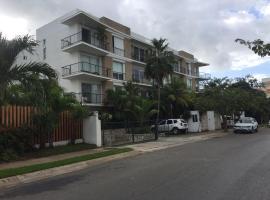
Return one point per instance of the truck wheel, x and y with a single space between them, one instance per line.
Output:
175 131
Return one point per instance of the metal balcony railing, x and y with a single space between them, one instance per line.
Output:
205 76
89 98
90 38
119 75
85 67
136 79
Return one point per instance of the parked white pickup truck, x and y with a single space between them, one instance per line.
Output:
171 125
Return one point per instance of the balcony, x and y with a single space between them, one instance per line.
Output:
204 76
85 69
119 75
142 81
85 41
89 98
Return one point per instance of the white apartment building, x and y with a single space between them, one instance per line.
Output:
93 54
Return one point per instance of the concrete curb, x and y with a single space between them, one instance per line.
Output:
43 174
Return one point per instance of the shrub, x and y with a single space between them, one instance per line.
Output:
15 142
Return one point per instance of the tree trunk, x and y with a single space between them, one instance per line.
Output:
157 119
225 124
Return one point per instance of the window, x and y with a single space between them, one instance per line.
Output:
195 118
138 75
118 70
175 121
118 46
90 63
44 53
189 68
189 83
91 93
139 54
162 122
44 49
25 57
169 121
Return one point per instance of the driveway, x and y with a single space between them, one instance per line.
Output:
230 167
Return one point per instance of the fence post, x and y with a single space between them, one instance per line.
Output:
92 130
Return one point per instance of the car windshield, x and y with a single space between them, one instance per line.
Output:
245 121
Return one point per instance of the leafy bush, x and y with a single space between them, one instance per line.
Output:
15 142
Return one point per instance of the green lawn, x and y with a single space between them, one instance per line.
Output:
60 150
37 167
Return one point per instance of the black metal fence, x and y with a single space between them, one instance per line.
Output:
127 132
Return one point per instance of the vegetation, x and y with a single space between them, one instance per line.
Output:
37 167
257 46
26 73
159 65
230 97
176 99
34 84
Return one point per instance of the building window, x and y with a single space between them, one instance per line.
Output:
189 68
138 75
90 63
118 70
44 49
195 118
25 57
139 54
91 93
189 83
118 46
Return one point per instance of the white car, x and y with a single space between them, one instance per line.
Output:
171 125
246 124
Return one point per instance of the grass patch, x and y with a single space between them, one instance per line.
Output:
60 150
37 167
39 153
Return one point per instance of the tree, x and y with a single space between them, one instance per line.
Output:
230 97
12 73
258 46
175 98
159 65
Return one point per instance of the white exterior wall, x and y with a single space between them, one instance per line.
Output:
194 127
92 130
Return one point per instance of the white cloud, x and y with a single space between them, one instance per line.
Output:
242 60
241 17
265 9
12 27
206 29
259 77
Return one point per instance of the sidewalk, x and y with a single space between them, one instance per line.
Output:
173 141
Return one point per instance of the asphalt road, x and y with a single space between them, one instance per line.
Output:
233 167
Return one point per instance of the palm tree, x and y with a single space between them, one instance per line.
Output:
177 97
159 65
13 73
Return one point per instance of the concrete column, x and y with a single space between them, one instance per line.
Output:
92 130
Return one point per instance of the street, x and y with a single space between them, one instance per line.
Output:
236 166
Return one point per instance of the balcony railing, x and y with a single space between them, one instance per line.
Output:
205 76
85 67
119 75
90 38
89 98
136 79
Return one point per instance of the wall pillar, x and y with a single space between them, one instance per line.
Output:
92 130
